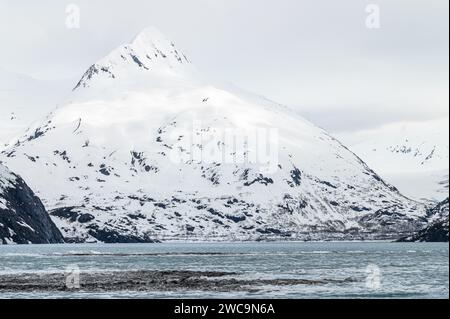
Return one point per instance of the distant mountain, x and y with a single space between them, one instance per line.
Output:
23 219
414 157
148 148
437 228
24 100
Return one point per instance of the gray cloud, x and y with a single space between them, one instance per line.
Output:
317 56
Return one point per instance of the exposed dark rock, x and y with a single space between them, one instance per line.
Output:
90 73
72 214
296 176
85 218
104 171
23 218
359 209
137 61
136 216
214 212
269 231
68 213
160 205
392 219
261 180
151 280
437 228
333 203
110 236
328 184
236 219
37 133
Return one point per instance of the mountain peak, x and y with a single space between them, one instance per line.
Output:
153 44
148 51
150 36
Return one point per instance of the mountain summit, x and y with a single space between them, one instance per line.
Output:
152 42
153 153
149 51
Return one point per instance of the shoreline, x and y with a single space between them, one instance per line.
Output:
209 242
152 280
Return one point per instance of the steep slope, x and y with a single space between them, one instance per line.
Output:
24 100
437 228
411 156
147 148
23 219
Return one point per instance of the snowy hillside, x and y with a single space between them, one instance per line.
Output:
146 148
24 100
414 157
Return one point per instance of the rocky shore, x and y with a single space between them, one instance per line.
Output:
149 280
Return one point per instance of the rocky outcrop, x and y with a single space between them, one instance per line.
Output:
437 229
23 218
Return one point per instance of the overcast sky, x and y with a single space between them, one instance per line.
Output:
317 56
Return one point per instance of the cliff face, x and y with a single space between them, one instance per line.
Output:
23 218
437 228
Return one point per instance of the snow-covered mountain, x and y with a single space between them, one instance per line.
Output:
413 156
24 100
23 218
147 148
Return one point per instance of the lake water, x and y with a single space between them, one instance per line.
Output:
382 270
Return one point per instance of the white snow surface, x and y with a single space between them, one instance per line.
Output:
25 100
124 147
6 181
413 156
6 177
